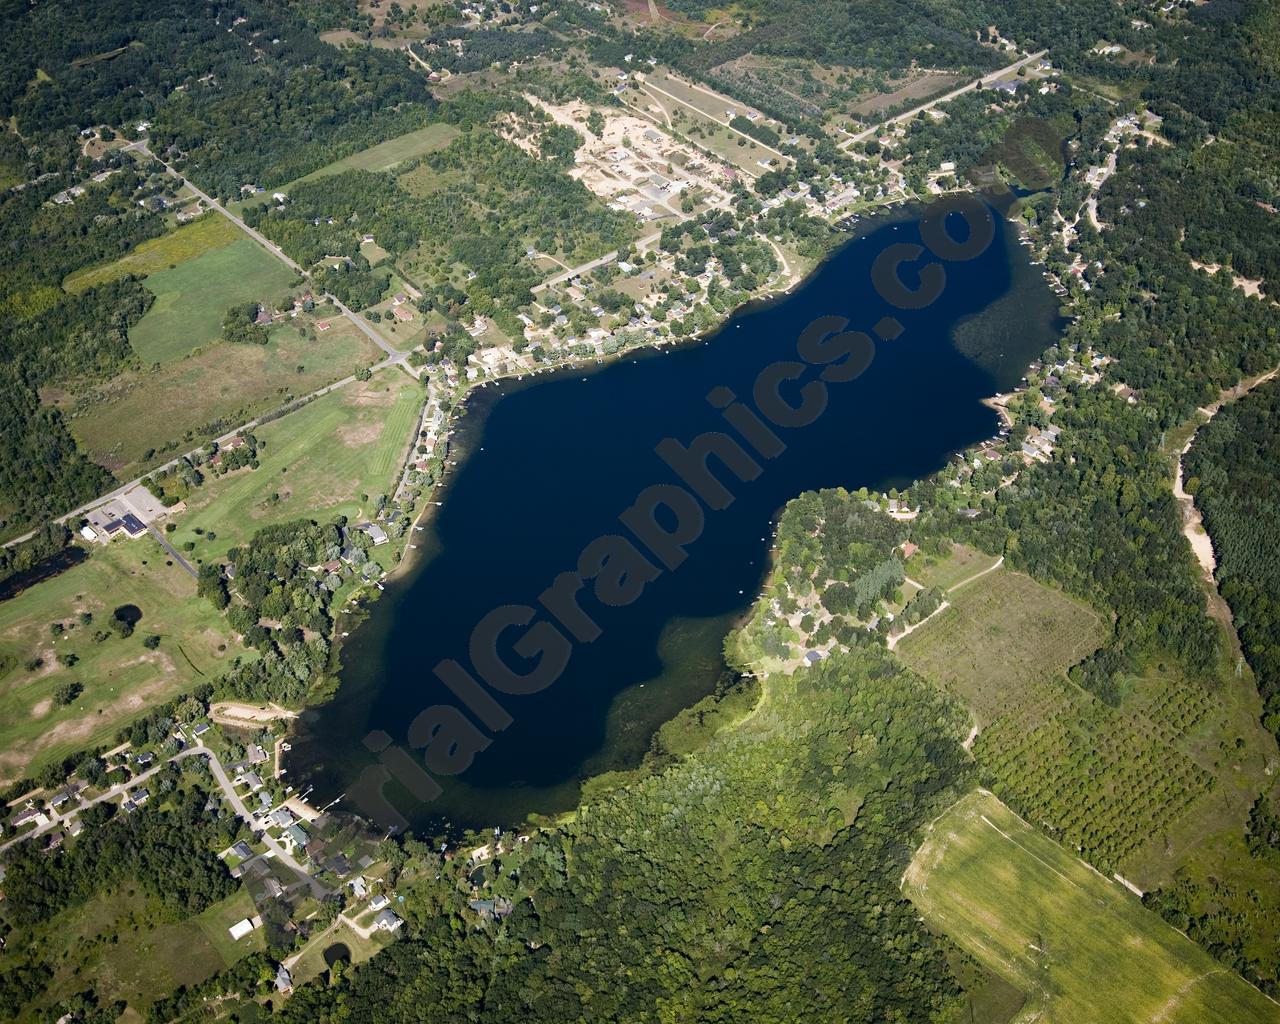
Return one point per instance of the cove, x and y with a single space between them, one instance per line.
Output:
545 466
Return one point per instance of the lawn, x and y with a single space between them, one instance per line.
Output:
317 461
134 419
312 963
193 297
386 155
212 231
150 960
960 563
1081 947
121 677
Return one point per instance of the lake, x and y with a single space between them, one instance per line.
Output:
547 465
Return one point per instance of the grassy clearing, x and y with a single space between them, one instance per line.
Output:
386 155
317 461
212 231
1000 631
1083 948
121 678
960 563
312 963
172 408
149 961
193 297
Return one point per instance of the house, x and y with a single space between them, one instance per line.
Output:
402 314
200 729
256 754
387 922
359 887
813 657
376 533
253 780
297 835
340 865
274 889
145 758
75 827
379 901
284 980
29 813
491 909
140 797
241 849
282 817
909 549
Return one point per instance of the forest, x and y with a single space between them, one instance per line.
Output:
114 63
755 876
1233 471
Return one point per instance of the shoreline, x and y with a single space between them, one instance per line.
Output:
356 612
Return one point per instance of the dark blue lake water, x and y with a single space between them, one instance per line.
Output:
547 465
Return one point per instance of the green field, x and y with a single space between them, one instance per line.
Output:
149 961
212 231
959 564
193 297
1082 948
174 407
1001 631
386 155
317 461
121 678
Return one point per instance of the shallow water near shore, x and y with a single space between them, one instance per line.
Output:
546 465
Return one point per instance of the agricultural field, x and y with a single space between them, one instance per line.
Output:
1081 947
1161 782
150 960
386 155
210 232
1001 632
193 297
127 422
121 678
315 462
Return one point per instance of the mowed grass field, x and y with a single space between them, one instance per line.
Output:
193 297
212 231
1083 948
121 677
150 960
317 462
174 407
386 155
1001 631
959 564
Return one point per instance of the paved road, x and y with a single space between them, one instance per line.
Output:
171 550
985 80
318 888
